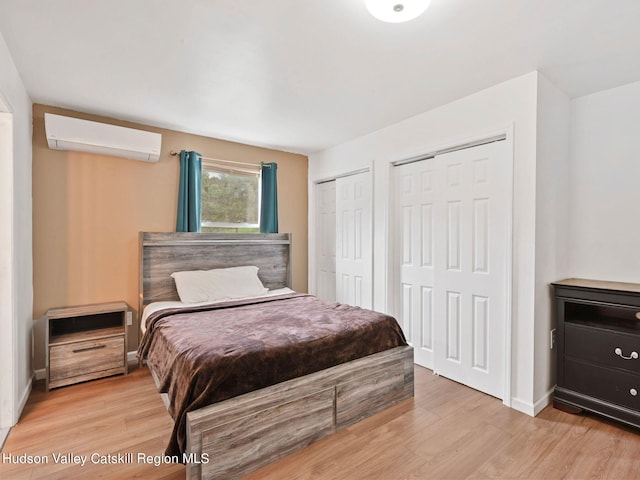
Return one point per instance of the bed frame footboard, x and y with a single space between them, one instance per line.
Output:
230 439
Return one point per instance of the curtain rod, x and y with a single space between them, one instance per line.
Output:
173 153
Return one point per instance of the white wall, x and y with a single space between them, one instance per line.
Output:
509 104
605 185
16 265
552 203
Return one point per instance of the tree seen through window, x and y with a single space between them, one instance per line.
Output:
229 202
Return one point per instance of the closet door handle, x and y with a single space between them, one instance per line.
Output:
633 392
633 356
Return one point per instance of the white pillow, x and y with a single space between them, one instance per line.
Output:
219 284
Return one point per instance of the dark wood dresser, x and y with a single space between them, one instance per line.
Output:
598 348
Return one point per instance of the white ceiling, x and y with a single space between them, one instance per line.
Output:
304 75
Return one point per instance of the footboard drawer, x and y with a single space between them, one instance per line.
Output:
244 445
362 397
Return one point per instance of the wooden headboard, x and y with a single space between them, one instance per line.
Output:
161 254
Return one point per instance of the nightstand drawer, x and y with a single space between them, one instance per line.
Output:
81 358
603 383
600 346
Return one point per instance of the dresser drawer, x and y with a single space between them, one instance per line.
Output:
604 383
81 358
599 346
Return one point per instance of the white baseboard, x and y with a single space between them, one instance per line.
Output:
131 357
542 403
4 433
532 409
23 400
522 406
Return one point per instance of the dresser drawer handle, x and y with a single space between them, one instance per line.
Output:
98 347
633 356
633 392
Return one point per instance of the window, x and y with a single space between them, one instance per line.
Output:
230 199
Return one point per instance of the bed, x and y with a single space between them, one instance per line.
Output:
236 429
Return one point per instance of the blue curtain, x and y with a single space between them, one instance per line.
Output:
269 200
189 194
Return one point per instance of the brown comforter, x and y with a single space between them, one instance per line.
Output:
204 355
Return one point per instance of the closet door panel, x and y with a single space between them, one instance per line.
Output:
414 256
326 240
450 259
472 209
354 251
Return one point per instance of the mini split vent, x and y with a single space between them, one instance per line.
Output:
66 133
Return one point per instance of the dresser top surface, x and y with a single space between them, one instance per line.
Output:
599 284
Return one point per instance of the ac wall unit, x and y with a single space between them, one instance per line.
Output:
66 133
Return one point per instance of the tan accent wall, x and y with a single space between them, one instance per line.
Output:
88 210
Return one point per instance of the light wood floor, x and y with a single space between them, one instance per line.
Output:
447 431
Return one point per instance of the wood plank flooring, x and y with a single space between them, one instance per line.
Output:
447 431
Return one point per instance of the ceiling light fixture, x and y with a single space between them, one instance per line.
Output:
396 11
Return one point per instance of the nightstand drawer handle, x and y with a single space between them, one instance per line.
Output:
633 392
633 356
98 347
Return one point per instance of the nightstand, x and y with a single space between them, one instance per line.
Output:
85 342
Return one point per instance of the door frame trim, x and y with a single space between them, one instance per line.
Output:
342 175
9 407
455 148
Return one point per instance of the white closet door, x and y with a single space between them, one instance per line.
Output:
471 272
326 240
414 191
451 247
354 240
